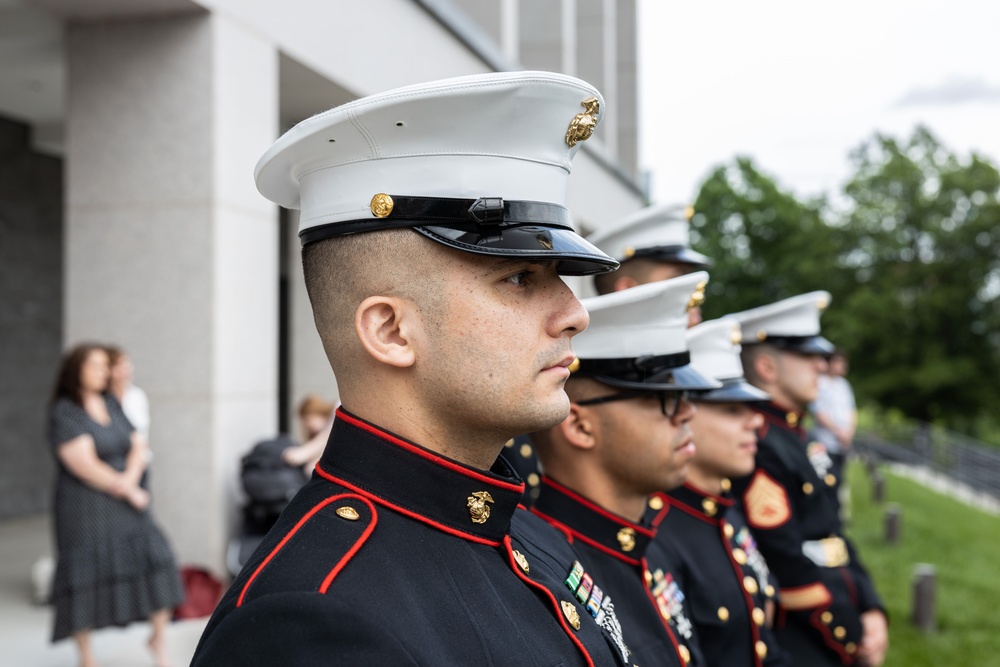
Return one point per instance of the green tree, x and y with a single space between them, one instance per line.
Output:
767 245
922 316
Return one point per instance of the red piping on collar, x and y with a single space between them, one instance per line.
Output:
555 523
597 508
301 522
430 456
545 591
413 515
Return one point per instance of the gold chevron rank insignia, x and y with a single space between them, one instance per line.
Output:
766 502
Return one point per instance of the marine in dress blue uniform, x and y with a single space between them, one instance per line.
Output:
395 552
828 602
701 526
626 437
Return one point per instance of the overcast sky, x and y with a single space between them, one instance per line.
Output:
796 85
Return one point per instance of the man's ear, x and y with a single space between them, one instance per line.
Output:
765 365
579 429
624 283
386 327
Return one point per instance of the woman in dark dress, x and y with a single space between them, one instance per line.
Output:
114 564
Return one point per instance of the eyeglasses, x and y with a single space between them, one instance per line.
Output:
670 400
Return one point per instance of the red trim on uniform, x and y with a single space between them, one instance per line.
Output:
555 523
552 598
597 508
849 581
350 554
663 511
430 456
722 500
301 522
828 638
751 605
413 515
762 431
698 514
659 614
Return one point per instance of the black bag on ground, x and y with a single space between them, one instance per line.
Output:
268 481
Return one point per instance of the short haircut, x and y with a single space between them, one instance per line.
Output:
749 355
343 271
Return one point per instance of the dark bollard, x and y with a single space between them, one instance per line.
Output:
878 487
924 584
870 465
893 523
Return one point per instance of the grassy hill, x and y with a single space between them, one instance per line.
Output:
963 543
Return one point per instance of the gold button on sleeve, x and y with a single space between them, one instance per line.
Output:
723 614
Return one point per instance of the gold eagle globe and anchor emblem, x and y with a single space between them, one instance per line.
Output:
584 123
698 297
626 538
478 509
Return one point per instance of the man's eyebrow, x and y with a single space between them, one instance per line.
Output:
509 262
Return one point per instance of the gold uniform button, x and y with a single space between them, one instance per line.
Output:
758 616
348 512
533 479
723 614
792 418
727 530
525 450
522 561
726 484
709 506
571 614
656 503
826 617
685 653
839 632
509 443
750 584
769 591
807 488
761 649
830 479
851 647
649 577
740 556
381 205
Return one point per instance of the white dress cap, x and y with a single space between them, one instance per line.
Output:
660 232
791 324
636 337
482 161
715 350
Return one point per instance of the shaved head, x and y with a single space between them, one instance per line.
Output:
342 272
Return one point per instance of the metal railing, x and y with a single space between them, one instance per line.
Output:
963 459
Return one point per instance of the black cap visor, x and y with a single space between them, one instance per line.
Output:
574 255
674 254
485 226
802 344
672 372
733 391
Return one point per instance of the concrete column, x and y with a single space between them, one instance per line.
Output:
170 251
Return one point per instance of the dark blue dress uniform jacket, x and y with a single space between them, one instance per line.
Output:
727 580
791 506
623 561
394 555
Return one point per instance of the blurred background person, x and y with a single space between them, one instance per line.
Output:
835 412
315 422
114 565
134 402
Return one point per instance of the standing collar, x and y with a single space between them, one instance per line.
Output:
706 506
450 496
790 420
592 524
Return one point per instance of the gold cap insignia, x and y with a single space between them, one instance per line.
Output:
626 539
571 614
478 509
381 205
822 303
737 336
348 512
688 213
583 123
761 334
629 252
698 297
574 365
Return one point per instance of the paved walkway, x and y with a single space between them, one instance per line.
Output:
25 627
